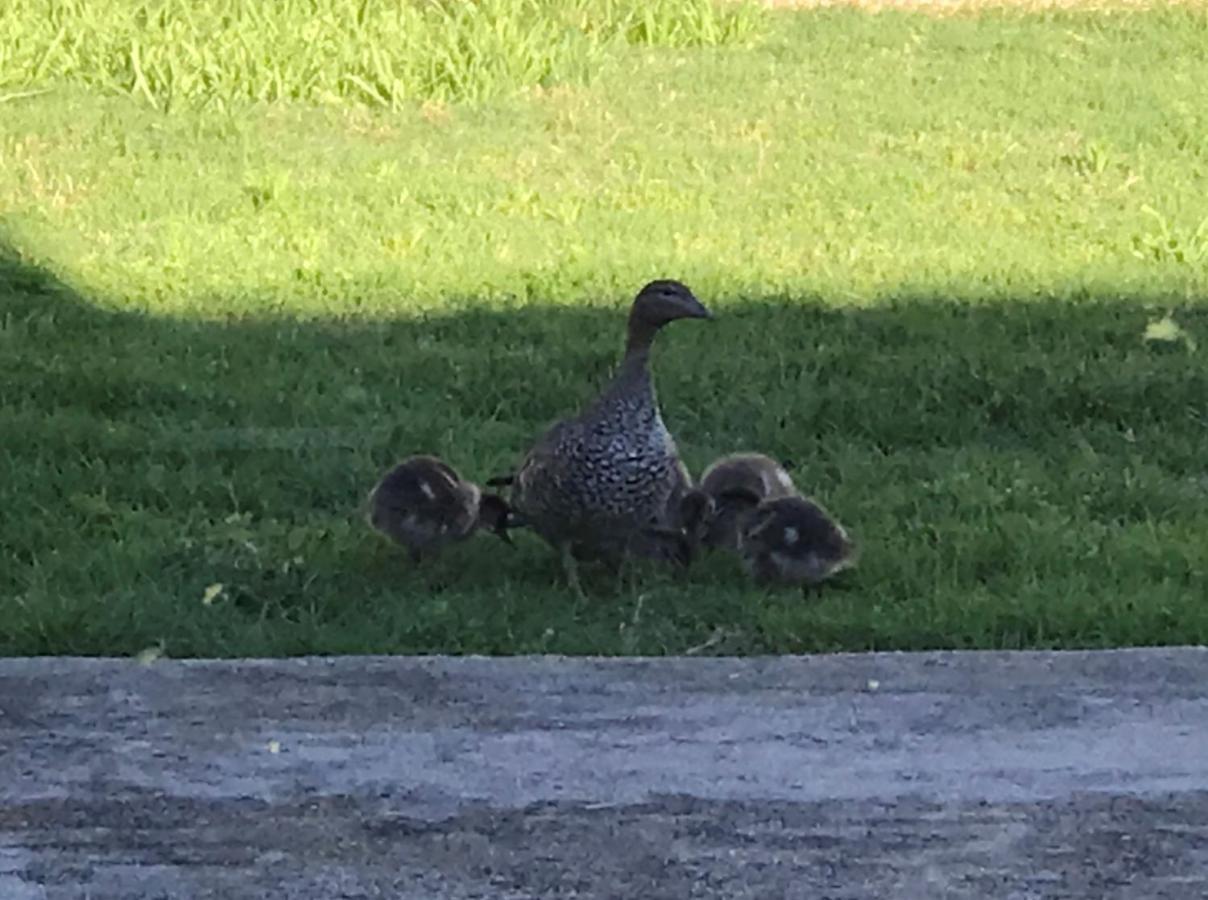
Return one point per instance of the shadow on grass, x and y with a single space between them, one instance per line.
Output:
1019 473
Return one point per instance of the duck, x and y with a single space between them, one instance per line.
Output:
593 483
791 540
711 512
423 504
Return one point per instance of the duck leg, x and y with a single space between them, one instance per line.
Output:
626 572
570 568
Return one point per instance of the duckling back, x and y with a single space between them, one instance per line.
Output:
793 540
422 503
755 472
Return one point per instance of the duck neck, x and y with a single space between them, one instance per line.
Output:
639 338
633 376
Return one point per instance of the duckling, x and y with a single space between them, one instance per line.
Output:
592 483
423 504
711 515
791 540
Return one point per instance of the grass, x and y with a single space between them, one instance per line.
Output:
959 264
218 52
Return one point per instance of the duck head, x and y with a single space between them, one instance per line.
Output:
658 303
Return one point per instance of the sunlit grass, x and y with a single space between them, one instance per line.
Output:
220 52
959 267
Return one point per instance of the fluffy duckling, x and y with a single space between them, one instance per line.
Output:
791 540
712 512
423 504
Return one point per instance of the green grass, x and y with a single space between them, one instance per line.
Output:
218 52
934 246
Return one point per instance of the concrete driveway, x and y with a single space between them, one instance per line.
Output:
979 775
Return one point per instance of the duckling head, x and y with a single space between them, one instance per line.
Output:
495 514
696 512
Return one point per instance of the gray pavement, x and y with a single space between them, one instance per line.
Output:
979 775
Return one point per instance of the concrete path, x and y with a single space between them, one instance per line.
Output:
978 775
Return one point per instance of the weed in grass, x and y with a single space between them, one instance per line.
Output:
1167 243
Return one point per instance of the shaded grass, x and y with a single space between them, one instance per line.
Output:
218 327
1003 498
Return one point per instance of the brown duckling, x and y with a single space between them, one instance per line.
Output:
790 540
712 512
423 504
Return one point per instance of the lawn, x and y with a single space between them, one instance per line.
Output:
959 266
